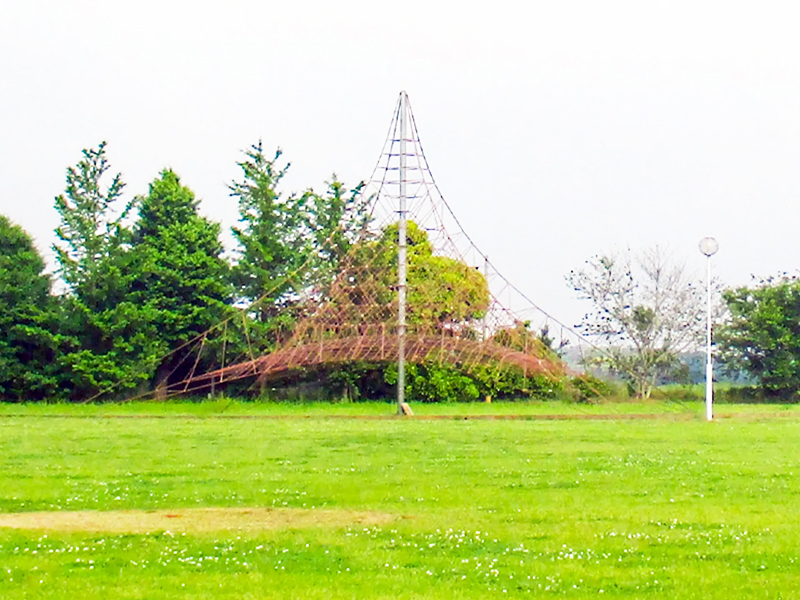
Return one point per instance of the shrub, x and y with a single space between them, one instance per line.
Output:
587 387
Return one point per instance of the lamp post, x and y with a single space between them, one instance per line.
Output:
709 247
401 261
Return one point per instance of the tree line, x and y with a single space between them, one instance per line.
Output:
140 280
141 284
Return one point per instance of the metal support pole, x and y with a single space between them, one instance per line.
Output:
401 264
709 363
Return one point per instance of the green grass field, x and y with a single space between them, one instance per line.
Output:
671 507
226 407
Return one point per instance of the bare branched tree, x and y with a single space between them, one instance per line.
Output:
646 310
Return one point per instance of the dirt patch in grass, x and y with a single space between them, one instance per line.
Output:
190 520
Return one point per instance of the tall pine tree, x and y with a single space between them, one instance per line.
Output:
337 219
273 235
92 230
287 244
108 346
176 273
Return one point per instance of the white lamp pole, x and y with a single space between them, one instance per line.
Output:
709 247
401 261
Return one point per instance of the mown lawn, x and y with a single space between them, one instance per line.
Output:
226 407
672 508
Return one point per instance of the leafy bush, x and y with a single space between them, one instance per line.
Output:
442 382
435 382
587 387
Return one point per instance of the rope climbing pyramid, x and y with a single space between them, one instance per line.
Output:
404 284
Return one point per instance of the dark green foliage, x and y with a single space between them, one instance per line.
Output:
27 340
436 382
175 273
337 219
107 342
90 232
136 296
107 353
443 382
510 384
359 380
148 302
431 381
762 335
587 387
273 237
287 244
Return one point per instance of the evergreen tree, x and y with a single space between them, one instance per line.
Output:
107 344
90 233
27 341
337 219
176 273
287 245
273 236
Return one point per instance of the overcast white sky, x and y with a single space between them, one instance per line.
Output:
555 129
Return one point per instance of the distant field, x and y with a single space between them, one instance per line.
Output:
359 508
